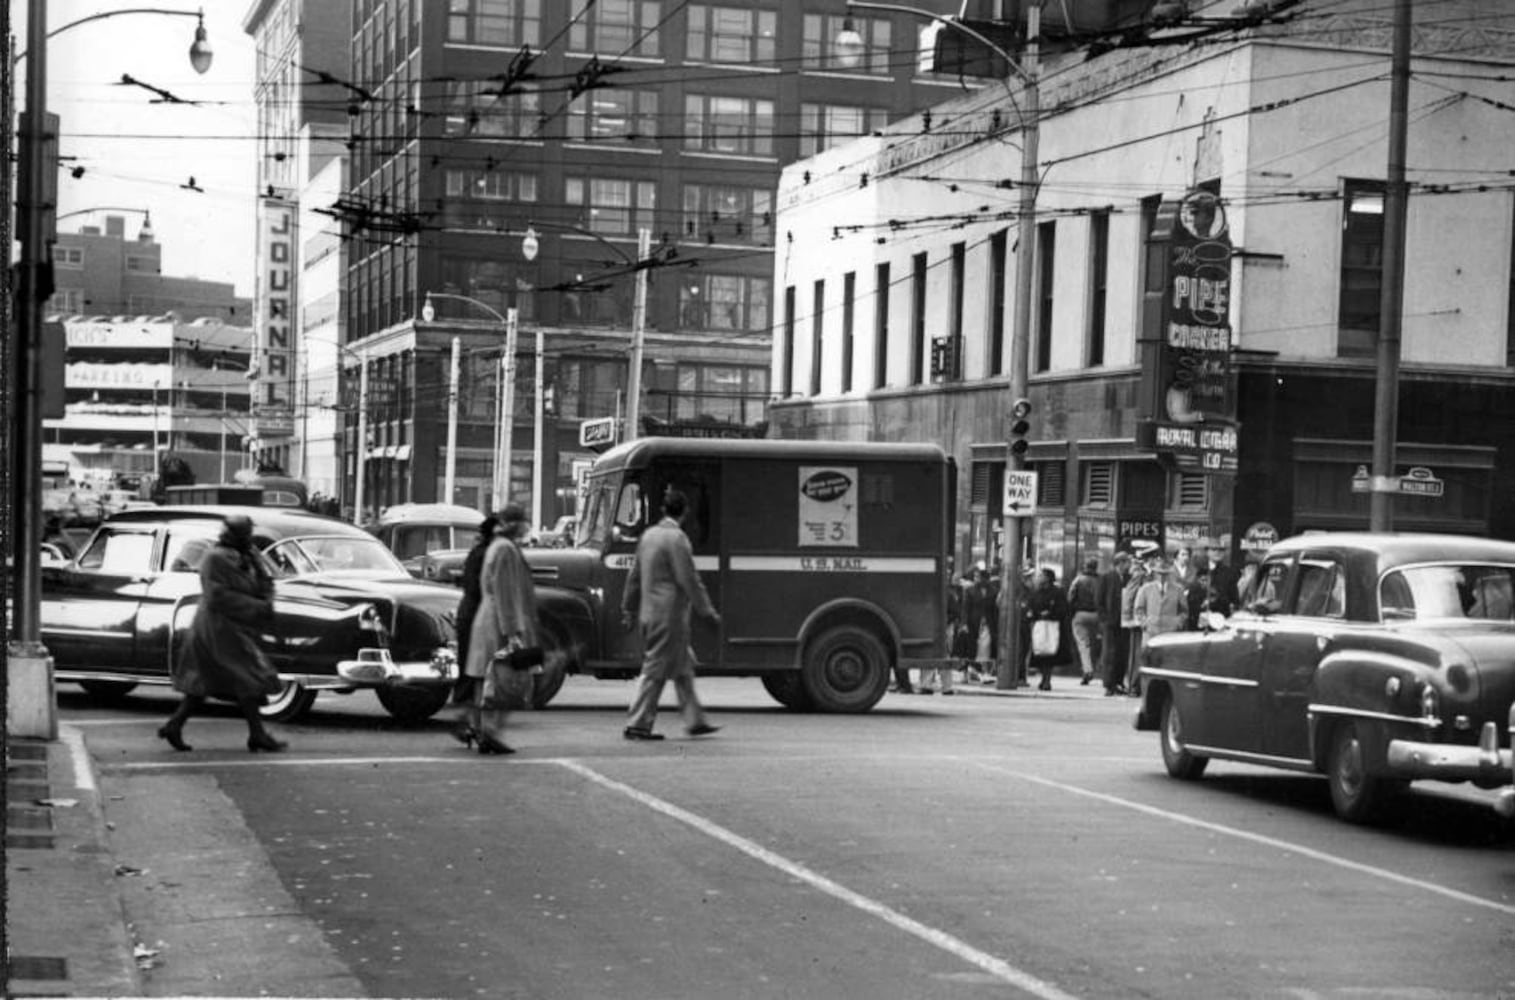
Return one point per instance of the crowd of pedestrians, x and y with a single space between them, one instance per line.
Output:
1100 623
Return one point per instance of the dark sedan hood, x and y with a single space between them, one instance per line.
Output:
406 589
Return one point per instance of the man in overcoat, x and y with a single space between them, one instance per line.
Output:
663 589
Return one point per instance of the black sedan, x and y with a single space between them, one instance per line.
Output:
1375 659
347 614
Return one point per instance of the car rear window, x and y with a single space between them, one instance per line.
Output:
1476 591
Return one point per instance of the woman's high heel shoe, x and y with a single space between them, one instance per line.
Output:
489 745
464 734
265 743
175 740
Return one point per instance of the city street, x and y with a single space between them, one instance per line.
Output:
968 846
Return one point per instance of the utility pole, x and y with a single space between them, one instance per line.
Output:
450 480
1011 579
1391 300
507 410
638 338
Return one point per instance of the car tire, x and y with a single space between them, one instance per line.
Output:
1356 795
1177 758
108 690
293 700
846 670
411 704
788 689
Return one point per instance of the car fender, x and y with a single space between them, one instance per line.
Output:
1373 688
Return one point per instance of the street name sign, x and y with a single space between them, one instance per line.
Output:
1020 493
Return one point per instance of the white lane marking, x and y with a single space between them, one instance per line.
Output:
941 939
78 757
1257 838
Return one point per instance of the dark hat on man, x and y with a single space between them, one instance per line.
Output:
512 512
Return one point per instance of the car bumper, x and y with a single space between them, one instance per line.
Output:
373 667
1485 765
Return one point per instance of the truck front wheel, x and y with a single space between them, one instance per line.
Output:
788 689
846 670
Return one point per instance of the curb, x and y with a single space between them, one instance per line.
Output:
67 930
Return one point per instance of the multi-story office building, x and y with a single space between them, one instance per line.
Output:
102 273
151 362
897 271
585 124
303 113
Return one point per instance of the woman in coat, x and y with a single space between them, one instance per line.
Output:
222 657
1047 602
468 609
507 616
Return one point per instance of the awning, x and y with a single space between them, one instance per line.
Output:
402 453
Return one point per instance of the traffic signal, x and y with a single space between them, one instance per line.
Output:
1020 426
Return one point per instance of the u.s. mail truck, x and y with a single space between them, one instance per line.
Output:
828 562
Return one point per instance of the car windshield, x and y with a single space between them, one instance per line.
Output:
1473 591
329 554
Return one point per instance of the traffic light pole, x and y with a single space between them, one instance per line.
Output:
1012 660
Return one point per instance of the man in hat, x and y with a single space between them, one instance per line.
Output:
1159 607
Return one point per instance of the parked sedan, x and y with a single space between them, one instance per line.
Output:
1373 659
347 614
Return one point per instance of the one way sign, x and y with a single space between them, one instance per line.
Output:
1020 493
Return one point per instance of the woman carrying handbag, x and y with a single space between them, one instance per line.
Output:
505 624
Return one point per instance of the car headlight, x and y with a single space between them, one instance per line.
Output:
371 621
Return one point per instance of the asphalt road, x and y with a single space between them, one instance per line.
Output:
964 847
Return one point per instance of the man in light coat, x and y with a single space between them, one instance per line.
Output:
662 589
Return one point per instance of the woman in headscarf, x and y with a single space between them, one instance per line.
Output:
222 657
507 617
468 609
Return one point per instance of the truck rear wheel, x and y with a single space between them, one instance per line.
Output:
788 689
556 651
846 670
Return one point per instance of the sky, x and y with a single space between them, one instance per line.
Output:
135 153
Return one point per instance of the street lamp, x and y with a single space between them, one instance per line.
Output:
849 44
29 668
505 425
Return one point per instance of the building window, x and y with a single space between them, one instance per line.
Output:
617 27
474 109
1191 491
998 247
821 31
1096 484
1099 277
71 257
719 214
620 116
67 300
141 265
724 394
736 125
825 125
1051 483
487 199
492 281
786 359
731 35
817 326
1361 267
849 294
881 281
589 387
1046 248
509 23
917 318
724 302
612 206
954 367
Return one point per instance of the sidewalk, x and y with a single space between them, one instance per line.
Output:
66 924
1063 687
